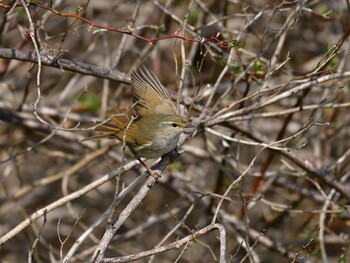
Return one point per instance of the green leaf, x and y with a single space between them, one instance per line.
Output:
89 102
32 2
176 166
79 9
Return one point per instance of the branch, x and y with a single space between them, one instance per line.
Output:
128 30
62 201
98 255
177 244
66 64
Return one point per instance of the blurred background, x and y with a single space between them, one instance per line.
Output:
280 79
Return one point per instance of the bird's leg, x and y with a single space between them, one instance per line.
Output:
152 173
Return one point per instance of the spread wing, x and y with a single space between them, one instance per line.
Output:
149 94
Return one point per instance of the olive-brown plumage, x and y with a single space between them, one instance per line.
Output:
151 128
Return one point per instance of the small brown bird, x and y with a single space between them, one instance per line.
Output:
151 128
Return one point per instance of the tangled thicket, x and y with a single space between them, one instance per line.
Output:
266 176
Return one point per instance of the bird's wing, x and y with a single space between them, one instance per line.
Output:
149 95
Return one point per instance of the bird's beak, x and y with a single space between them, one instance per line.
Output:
190 127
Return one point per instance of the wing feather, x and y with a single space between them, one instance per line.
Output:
149 94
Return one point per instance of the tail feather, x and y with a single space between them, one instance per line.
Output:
115 128
98 137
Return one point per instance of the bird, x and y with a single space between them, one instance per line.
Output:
151 127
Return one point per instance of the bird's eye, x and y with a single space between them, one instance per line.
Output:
174 124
